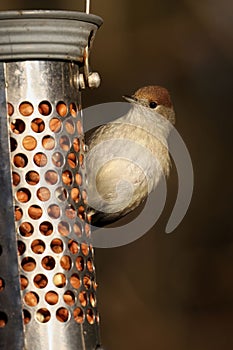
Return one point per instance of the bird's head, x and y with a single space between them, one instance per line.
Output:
156 98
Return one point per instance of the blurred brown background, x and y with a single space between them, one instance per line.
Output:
171 292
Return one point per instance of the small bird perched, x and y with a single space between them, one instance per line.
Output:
126 158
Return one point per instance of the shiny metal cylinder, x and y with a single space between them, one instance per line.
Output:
47 294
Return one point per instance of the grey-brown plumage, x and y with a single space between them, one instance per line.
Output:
127 157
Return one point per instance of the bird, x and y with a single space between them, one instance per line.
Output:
126 158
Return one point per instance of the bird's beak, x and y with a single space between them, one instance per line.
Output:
130 99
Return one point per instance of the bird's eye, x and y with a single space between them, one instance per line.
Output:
153 104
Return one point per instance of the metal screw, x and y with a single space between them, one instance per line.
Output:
81 81
93 80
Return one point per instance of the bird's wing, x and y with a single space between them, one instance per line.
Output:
89 134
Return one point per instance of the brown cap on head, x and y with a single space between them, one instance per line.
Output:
155 93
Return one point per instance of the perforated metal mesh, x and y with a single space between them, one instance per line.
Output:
57 273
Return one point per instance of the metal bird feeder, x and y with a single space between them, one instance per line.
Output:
47 274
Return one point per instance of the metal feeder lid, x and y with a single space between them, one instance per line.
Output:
46 34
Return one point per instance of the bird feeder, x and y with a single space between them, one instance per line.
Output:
47 274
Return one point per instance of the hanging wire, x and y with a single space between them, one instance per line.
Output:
88 4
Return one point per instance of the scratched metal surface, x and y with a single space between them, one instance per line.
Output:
59 295
11 325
